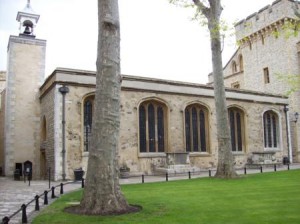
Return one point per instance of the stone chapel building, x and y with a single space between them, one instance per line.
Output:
47 123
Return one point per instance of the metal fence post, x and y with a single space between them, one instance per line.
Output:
82 182
45 197
143 179
52 192
5 220
24 215
61 188
288 165
261 169
245 170
167 177
275 169
189 174
37 205
209 173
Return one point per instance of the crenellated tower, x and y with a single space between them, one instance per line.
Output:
268 54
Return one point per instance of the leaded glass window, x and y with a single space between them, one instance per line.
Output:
88 121
142 122
270 122
196 133
160 128
187 131
236 122
152 127
151 124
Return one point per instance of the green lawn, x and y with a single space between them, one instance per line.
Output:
258 199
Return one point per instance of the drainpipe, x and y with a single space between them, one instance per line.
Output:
286 109
63 90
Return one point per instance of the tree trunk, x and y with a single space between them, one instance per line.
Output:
225 168
102 193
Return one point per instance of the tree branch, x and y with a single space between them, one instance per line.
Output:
205 10
296 10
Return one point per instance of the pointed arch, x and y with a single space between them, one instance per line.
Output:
234 67
237 128
153 133
196 124
271 129
241 62
88 112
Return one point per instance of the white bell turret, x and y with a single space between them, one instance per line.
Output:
28 20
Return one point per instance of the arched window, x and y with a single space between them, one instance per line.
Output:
262 39
152 126
241 61
270 120
196 128
250 45
88 108
237 132
234 67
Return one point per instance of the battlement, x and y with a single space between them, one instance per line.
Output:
268 16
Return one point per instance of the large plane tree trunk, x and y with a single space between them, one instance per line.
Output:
102 194
225 168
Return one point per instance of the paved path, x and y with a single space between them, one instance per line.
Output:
15 193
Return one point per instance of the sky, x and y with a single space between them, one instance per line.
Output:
158 40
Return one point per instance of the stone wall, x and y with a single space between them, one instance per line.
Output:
176 96
76 157
138 162
2 80
2 134
25 73
47 144
2 109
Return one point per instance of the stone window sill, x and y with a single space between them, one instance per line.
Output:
240 153
152 155
199 154
85 154
266 150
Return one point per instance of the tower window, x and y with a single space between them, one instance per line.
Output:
250 45
241 61
234 67
262 39
266 75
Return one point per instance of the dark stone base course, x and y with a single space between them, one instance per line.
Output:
77 210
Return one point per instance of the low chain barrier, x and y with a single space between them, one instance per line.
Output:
165 176
36 200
